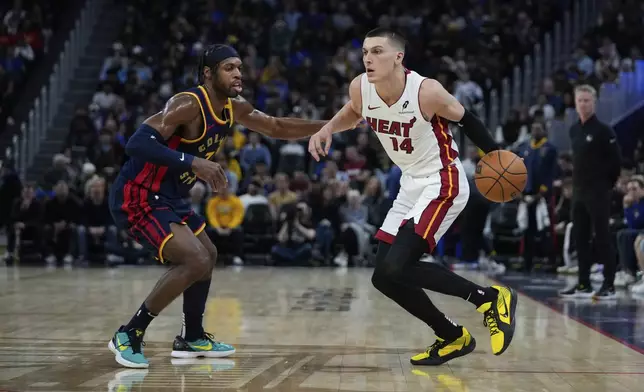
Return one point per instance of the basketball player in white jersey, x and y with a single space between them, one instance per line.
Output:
410 114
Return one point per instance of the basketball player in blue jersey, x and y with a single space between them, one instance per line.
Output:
168 153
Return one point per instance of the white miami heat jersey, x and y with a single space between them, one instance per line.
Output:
419 147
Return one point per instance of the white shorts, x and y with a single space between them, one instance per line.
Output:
433 203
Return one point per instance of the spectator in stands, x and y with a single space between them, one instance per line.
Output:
60 217
638 288
282 194
292 157
543 105
233 180
198 198
59 172
373 199
295 236
301 185
563 228
24 51
10 190
634 214
355 229
393 182
82 132
564 167
261 174
225 214
108 153
355 165
583 62
7 89
105 98
95 225
254 195
540 158
254 152
25 221
364 148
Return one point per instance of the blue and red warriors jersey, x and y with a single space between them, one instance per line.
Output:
169 182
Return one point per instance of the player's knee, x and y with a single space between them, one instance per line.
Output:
200 263
213 254
379 281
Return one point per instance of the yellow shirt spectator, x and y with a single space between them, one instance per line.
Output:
239 139
225 211
234 167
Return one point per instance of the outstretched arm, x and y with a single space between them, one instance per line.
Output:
351 113
347 118
435 100
275 127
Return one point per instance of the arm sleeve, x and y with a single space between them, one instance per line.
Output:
147 143
477 132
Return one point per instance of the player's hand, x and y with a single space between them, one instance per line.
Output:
320 143
211 172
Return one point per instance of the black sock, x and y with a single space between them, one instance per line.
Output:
141 319
402 262
194 305
415 301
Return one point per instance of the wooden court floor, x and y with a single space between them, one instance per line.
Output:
316 330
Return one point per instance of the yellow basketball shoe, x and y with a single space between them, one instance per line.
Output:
499 317
442 351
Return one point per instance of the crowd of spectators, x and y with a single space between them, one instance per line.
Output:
609 48
25 29
280 202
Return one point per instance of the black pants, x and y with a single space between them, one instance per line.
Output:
535 241
231 244
31 233
472 225
591 214
58 243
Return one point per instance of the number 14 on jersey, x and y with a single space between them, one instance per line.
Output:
404 145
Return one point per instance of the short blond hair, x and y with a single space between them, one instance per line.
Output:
586 88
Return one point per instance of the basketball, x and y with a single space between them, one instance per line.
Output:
501 176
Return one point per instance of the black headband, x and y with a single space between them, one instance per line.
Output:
215 54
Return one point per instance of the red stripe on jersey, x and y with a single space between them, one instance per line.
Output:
440 128
433 215
173 143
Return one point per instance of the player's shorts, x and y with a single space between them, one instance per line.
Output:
146 217
433 203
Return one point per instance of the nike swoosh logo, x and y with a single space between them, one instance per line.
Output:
119 346
182 157
373 108
207 347
505 314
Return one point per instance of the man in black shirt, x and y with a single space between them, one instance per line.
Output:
96 226
61 214
596 168
24 221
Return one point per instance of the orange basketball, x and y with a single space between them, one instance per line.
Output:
501 176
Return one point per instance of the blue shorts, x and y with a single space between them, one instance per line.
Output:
146 217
